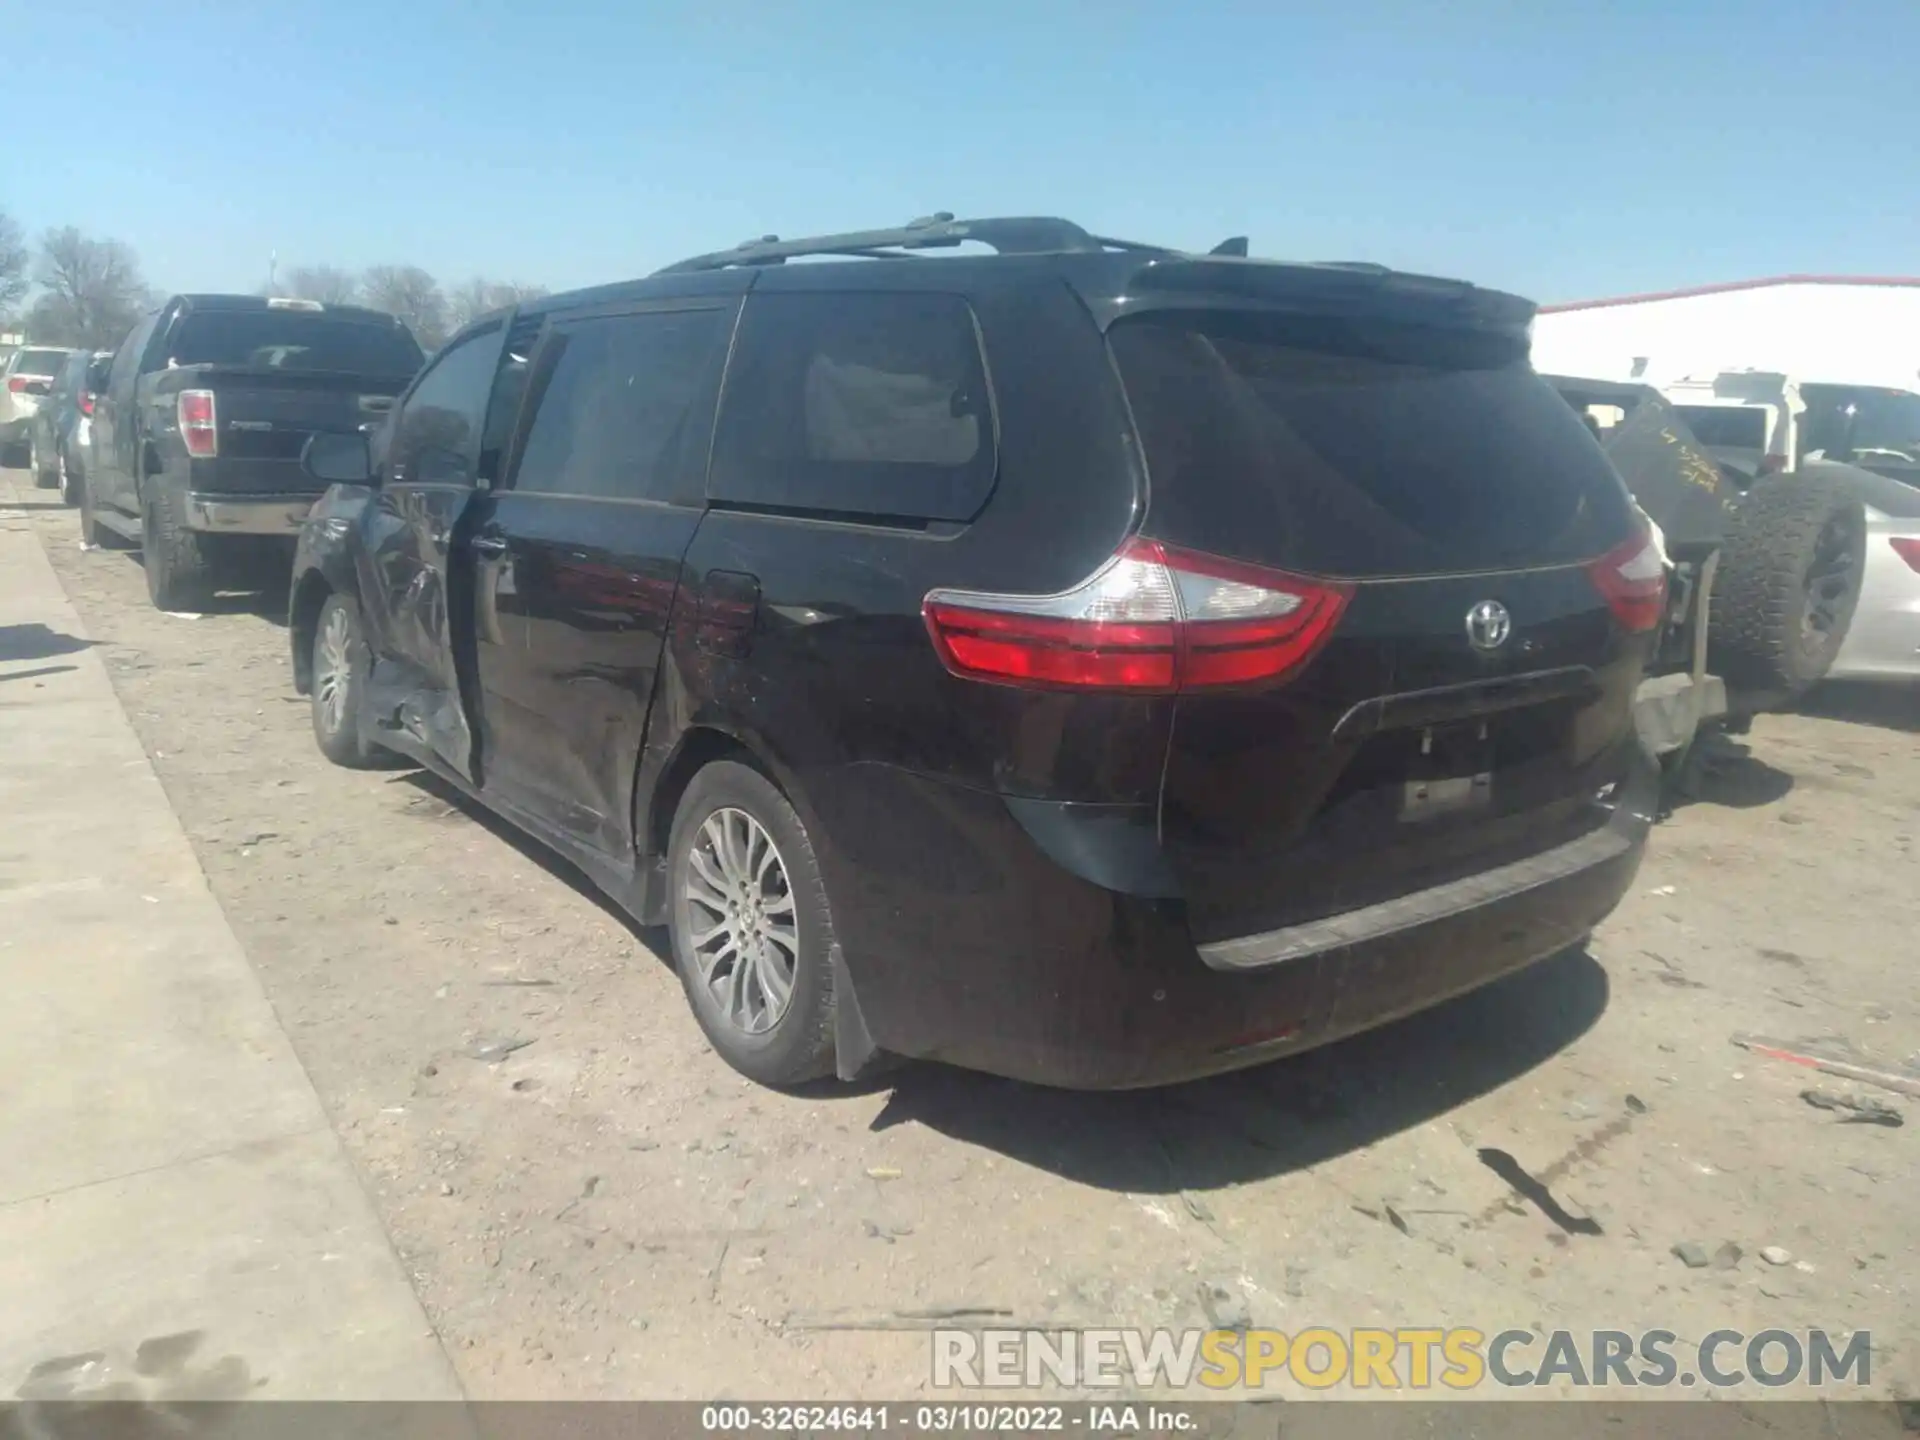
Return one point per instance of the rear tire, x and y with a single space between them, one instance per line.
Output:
1788 584
179 576
340 684
752 932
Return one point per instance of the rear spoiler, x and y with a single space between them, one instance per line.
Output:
1234 279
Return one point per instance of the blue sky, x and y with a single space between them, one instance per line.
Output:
1557 148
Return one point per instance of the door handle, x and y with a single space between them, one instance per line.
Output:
488 545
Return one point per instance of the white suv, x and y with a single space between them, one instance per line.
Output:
25 381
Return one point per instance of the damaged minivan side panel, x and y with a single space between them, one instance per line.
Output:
415 698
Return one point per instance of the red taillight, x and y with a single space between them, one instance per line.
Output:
197 430
86 402
1154 619
17 384
1634 579
1907 547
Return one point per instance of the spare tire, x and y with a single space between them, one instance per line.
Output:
1788 582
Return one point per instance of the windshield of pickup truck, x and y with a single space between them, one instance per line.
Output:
294 340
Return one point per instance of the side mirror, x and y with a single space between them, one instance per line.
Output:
335 459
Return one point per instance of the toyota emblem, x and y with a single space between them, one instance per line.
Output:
1488 625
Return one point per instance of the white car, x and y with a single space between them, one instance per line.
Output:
1884 641
25 381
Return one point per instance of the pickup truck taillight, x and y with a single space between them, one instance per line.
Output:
197 431
86 402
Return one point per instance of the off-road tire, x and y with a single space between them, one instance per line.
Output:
179 573
1788 535
92 532
336 730
799 1047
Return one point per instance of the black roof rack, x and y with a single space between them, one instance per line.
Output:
1018 235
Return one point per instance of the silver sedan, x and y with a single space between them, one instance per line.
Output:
1883 642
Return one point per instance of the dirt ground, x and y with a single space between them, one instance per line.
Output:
609 1211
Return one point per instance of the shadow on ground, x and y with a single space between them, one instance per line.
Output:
267 599
37 674
1890 707
1725 771
652 938
1278 1118
1231 1129
34 641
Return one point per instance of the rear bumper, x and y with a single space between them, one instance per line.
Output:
248 514
13 431
966 944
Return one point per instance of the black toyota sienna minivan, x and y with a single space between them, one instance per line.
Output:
1075 659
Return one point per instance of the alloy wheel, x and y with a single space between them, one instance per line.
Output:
333 668
1831 579
740 920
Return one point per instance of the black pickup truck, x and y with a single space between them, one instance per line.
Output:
197 437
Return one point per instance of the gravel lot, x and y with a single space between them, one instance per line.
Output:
609 1211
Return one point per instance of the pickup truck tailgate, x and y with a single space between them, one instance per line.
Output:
263 420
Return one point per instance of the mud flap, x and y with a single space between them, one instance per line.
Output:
855 1056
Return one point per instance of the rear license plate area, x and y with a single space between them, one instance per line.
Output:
1452 773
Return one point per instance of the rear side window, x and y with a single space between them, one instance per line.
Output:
860 404
293 340
124 368
625 406
1362 448
43 363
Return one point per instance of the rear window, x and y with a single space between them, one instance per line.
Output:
294 340
1731 427
1356 447
40 362
859 404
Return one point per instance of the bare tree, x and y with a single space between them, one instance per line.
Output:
325 283
413 295
467 303
92 293
14 264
